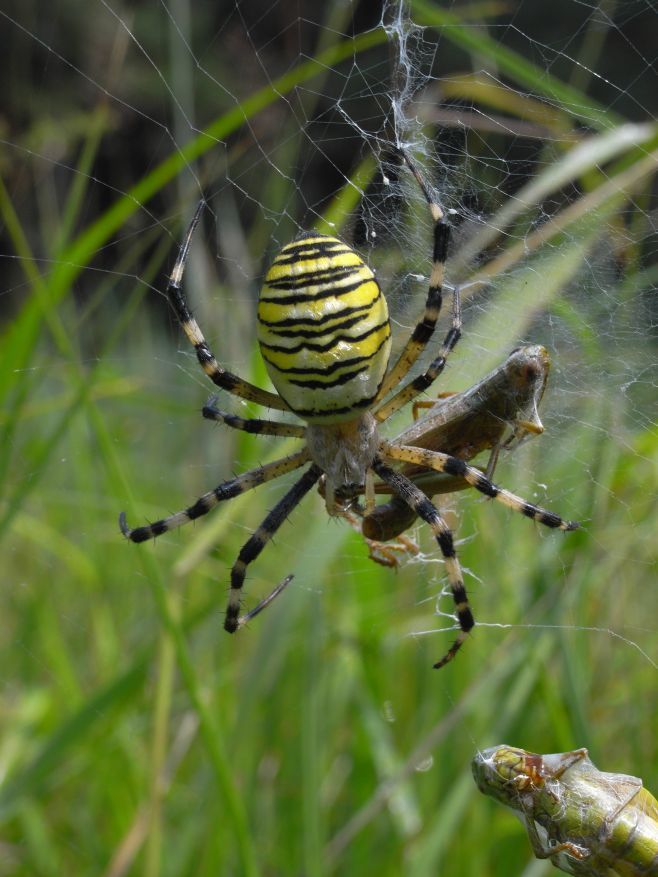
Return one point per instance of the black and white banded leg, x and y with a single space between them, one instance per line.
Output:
255 544
253 424
420 383
425 509
425 327
227 490
224 379
475 478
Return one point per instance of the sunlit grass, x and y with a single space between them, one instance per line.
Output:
137 737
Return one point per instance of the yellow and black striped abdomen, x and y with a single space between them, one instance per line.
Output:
323 329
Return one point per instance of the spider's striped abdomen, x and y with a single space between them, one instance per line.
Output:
323 329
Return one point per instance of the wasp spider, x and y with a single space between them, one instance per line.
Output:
325 336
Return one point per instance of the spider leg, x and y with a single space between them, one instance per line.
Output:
454 466
252 424
255 544
425 509
423 381
425 327
224 379
265 602
227 490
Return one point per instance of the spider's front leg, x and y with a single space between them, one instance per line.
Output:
475 478
255 544
425 509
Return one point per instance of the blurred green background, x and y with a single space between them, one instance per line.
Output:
135 736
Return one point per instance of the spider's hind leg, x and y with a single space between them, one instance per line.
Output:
218 375
424 328
421 382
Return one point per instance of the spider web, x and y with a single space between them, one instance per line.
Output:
533 125
500 159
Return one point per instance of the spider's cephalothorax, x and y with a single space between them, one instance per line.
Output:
324 334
